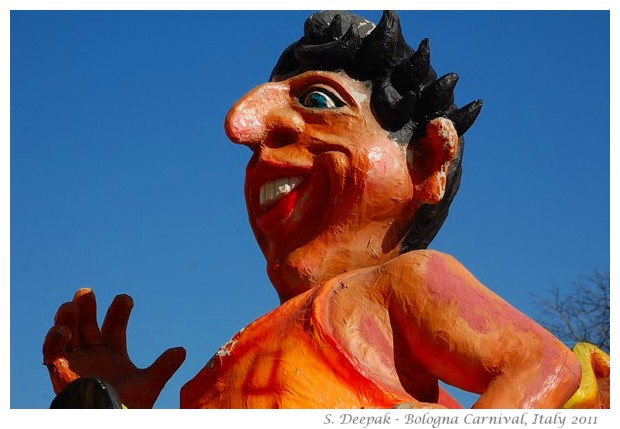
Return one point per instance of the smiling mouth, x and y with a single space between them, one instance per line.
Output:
273 191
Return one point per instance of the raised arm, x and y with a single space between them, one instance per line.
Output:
467 336
75 347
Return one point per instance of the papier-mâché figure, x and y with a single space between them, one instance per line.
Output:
357 151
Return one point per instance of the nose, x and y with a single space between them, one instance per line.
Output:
264 117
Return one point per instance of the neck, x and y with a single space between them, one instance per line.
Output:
324 258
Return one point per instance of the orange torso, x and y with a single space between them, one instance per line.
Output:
287 359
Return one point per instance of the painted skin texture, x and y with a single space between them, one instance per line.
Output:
360 325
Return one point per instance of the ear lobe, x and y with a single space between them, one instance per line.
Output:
431 158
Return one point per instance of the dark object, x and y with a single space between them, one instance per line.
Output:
87 393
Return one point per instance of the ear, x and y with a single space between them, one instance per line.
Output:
430 159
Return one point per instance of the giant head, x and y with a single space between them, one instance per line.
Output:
357 150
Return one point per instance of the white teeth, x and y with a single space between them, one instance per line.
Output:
272 191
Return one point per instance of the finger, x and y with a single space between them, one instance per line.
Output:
55 357
55 344
61 374
87 317
165 366
114 327
600 363
67 316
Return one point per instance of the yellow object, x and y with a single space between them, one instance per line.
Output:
593 391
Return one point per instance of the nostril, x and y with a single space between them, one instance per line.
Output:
280 137
284 126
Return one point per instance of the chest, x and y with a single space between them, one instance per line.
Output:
285 359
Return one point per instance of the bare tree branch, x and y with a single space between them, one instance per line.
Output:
580 313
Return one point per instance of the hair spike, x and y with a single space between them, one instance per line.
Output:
439 96
464 117
414 72
385 45
334 31
394 109
423 73
336 53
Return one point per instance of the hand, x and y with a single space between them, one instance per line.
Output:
593 390
75 347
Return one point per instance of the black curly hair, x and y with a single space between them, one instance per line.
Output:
406 93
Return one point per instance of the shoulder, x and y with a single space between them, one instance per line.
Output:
429 271
421 260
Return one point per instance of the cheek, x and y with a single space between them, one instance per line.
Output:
387 181
334 169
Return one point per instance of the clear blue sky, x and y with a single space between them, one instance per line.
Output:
122 179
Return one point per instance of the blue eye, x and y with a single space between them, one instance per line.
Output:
318 99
